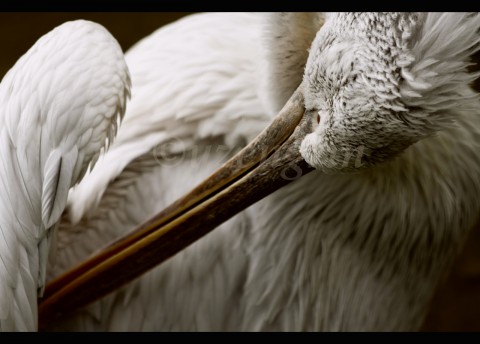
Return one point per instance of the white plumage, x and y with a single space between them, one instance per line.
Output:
59 105
332 251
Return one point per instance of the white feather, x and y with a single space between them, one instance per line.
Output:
47 103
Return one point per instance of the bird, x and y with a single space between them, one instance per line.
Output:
60 107
358 244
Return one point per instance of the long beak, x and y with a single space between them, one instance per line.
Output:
270 162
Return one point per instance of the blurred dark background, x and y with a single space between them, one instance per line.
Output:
456 306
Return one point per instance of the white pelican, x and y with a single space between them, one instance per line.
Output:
359 244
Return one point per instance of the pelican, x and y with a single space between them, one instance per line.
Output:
379 105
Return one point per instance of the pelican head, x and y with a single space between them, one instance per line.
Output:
379 83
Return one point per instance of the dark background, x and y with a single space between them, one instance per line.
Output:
457 304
